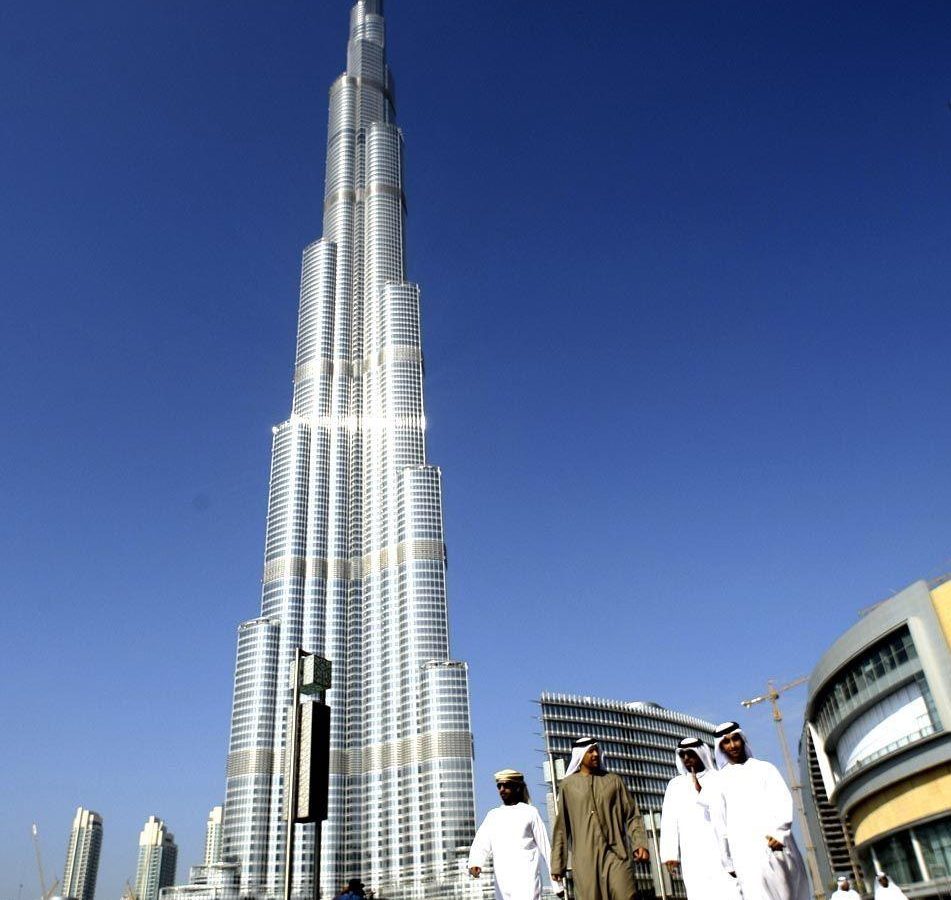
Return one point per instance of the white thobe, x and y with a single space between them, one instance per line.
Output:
754 802
892 892
687 835
846 895
517 841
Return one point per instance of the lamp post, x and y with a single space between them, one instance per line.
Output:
652 821
308 756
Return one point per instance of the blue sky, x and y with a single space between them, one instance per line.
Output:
685 281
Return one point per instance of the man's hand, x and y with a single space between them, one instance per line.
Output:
557 878
773 843
672 865
475 871
641 854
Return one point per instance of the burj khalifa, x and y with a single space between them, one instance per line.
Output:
354 561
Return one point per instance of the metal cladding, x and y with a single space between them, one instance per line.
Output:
355 563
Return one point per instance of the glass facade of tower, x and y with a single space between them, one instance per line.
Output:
355 563
878 739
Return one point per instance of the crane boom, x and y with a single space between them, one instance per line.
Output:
39 860
46 893
772 696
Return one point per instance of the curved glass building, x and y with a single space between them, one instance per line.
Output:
876 732
354 563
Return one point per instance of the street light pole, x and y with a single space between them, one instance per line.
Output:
772 696
653 816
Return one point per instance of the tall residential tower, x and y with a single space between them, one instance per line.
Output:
213 836
158 859
82 855
354 561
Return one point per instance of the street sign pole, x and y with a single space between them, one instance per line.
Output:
310 676
290 779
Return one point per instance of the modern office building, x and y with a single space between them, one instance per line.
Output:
82 855
877 719
639 740
213 833
158 857
354 561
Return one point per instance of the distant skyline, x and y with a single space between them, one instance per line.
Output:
685 298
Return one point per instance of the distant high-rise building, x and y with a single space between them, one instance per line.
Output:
158 856
82 855
212 879
354 560
639 740
213 836
218 881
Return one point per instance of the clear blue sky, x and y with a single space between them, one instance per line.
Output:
685 271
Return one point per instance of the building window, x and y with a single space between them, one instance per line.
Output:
934 838
898 719
895 856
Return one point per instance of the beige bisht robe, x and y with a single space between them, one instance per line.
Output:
601 822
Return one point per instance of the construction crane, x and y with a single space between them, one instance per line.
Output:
772 696
46 894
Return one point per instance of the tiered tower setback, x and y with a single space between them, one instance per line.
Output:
82 855
355 562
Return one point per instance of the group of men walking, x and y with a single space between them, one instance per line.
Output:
726 825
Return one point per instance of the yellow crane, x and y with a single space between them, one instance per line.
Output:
46 894
772 696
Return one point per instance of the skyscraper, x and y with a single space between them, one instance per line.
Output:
82 855
213 836
158 857
354 562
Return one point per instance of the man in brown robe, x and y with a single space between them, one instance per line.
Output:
600 821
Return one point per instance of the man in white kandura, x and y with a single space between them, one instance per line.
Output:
515 838
886 889
845 890
753 819
687 837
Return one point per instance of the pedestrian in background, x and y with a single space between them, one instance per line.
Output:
886 889
844 890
